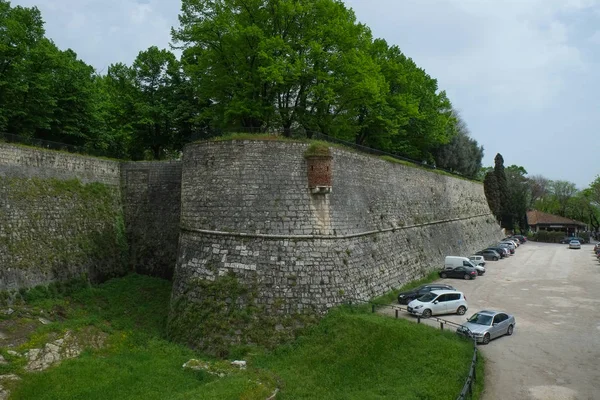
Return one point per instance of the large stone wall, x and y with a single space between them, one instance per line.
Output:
60 218
248 214
151 200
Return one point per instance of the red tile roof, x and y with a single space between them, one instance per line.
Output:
541 218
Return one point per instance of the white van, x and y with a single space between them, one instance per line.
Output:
452 262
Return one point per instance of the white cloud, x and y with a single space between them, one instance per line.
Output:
514 52
109 31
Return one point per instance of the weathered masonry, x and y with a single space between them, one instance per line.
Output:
63 216
258 236
289 240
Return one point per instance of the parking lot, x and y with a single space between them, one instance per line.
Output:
554 294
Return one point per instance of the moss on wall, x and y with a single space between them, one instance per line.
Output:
53 229
219 315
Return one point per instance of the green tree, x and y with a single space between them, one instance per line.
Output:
155 73
502 190
538 187
563 191
463 154
117 96
518 198
44 92
22 30
491 190
262 65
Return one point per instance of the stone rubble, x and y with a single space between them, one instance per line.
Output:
5 393
198 365
69 346
239 364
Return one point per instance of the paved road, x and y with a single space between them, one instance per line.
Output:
554 294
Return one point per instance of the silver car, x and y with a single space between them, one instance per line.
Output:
574 244
487 325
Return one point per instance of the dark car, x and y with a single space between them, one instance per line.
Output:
459 272
489 254
521 238
410 295
567 239
500 250
507 246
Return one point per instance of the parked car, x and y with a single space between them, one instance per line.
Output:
439 302
452 262
477 260
489 254
516 240
522 238
567 239
500 250
487 325
510 247
574 244
409 295
459 272
511 241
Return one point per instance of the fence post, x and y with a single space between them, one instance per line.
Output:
396 313
373 308
418 319
441 325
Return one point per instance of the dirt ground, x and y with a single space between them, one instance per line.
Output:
554 294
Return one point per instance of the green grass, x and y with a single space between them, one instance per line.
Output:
350 354
355 355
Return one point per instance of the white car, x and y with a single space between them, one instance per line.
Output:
574 244
510 244
439 302
477 260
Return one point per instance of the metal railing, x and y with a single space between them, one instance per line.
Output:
467 390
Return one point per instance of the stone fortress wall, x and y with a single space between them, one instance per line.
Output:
247 211
292 235
64 216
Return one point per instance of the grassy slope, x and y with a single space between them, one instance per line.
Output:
366 356
350 355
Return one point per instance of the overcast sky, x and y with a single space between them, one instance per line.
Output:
524 74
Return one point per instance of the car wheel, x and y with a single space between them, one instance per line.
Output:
509 331
495 258
426 313
486 338
443 275
467 277
461 310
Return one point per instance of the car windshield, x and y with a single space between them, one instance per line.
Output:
481 319
427 298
